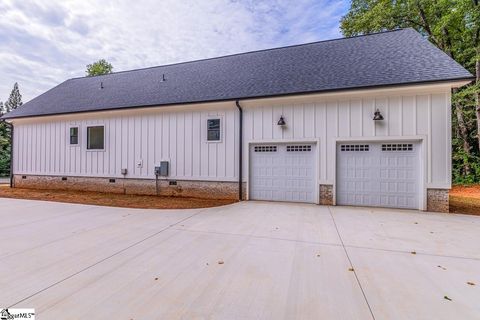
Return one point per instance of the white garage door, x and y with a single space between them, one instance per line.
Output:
379 174
282 172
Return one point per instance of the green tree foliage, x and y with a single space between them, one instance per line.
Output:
454 27
98 68
14 101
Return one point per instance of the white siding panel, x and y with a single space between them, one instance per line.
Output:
408 116
405 115
179 136
267 118
176 136
343 120
368 109
309 115
395 116
422 114
298 121
439 133
356 123
332 133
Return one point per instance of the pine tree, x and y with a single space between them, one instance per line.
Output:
13 102
4 145
15 99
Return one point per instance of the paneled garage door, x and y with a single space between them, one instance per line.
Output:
379 174
282 172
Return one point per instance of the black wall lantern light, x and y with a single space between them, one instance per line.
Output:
281 122
377 115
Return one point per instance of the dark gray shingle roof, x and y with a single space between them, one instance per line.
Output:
396 57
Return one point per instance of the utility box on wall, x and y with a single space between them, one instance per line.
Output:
162 170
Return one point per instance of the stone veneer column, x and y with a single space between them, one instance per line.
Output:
326 194
437 200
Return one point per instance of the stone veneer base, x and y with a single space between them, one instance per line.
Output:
183 188
437 200
326 194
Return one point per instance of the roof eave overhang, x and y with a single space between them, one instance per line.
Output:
452 83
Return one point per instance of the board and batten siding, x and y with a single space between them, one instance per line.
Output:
178 134
336 117
42 145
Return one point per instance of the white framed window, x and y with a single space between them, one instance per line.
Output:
96 138
74 134
214 129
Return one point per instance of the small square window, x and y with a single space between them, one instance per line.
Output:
74 135
96 138
213 130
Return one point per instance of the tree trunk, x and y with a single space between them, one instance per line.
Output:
463 135
477 94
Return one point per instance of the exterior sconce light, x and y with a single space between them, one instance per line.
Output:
281 122
377 115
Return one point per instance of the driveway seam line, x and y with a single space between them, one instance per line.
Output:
106 258
43 219
351 264
410 252
260 237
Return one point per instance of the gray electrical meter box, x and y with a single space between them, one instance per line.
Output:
162 170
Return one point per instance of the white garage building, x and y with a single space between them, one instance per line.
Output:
361 121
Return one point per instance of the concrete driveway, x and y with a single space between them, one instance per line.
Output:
251 260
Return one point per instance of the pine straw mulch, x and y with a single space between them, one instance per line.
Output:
110 199
465 199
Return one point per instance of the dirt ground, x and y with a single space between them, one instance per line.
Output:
465 199
110 199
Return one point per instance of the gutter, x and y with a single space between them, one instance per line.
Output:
240 151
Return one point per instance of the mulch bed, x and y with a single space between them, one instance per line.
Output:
110 199
465 199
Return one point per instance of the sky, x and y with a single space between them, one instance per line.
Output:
43 43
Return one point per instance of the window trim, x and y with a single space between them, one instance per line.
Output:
220 118
104 140
70 137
